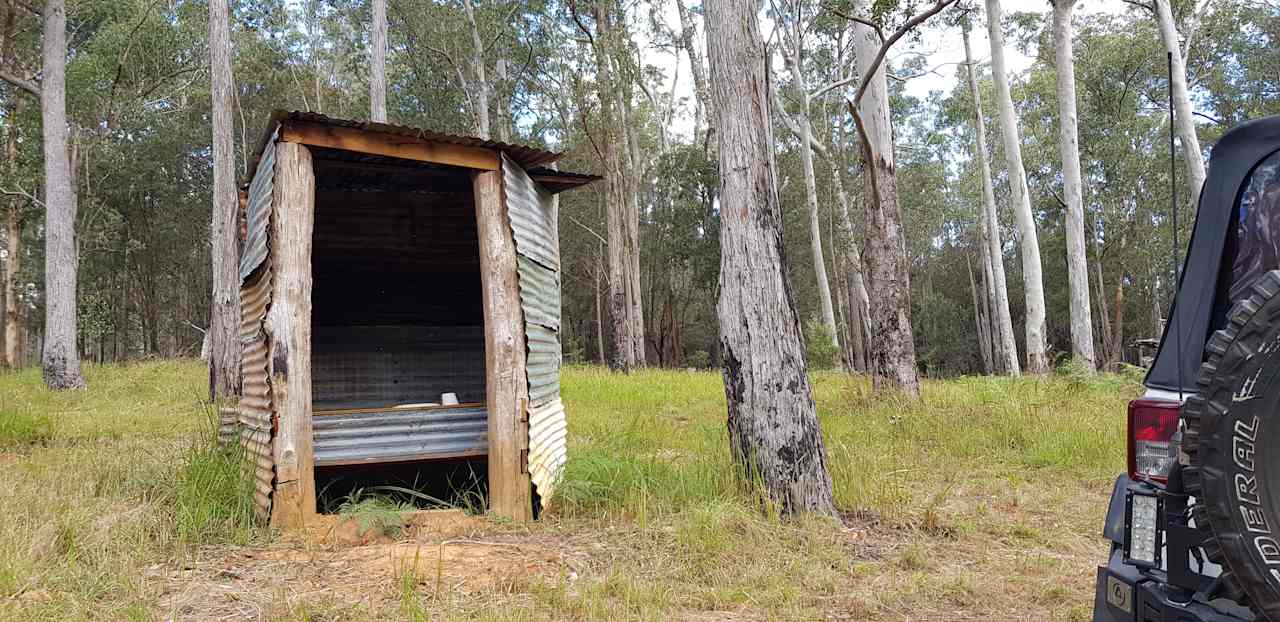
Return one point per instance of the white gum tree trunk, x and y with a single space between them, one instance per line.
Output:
1029 241
774 434
1069 148
1183 119
224 321
481 74
811 194
60 358
378 64
1006 345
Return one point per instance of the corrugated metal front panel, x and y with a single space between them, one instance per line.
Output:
539 293
543 364
400 435
547 446
258 211
255 412
532 220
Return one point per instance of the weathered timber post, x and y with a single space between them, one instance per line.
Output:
288 328
506 389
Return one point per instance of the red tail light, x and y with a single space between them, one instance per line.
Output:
1152 424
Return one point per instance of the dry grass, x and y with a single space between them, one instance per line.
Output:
983 502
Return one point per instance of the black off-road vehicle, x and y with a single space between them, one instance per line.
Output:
1195 523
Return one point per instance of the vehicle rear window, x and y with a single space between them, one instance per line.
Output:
1257 229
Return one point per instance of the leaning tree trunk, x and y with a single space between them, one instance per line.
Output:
1032 279
688 30
811 198
378 64
224 319
774 434
893 351
1184 123
1003 320
1069 147
12 318
60 359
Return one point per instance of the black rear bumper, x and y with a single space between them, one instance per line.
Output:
1148 600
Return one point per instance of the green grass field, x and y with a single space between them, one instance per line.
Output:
983 501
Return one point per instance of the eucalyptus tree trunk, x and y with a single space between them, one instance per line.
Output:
1029 242
503 102
1183 120
774 435
481 104
893 353
979 320
811 194
634 169
851 264
688 33
1002 320
12 319
378 64
224 319
1069 147
60 359
610 143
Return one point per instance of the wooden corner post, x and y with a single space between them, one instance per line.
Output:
288 327
506 388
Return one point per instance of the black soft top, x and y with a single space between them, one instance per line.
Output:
1202 298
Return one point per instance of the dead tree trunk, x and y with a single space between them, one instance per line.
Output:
224 319
1069 147
60 359
1032 279
774 434
990 225
378 64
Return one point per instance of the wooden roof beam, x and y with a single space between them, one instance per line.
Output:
390 145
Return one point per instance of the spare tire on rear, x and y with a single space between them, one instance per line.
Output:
1232 438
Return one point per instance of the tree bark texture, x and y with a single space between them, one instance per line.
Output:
990 225
980 322
1183 119
1069 148
224 317
811 194
12 334
1029 241
477 67
892 360
774 434
60 358
378 64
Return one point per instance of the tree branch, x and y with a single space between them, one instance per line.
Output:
588 229
19 192
888 43
25 84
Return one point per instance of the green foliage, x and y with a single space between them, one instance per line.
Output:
820 351
375 515
698 359
20 428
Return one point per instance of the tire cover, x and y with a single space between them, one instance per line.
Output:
1232 438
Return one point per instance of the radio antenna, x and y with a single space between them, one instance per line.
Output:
1177 248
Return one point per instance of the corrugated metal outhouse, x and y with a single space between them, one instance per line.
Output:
400 300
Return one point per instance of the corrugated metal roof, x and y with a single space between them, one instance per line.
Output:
556 181
527 157
547 446
532 219
400 435
258 211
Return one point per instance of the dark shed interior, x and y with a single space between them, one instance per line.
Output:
397 315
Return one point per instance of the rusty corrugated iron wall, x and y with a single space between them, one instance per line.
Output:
533 221
255 416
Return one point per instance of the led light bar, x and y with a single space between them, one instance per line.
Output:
1144 534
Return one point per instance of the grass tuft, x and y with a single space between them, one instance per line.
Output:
213 500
